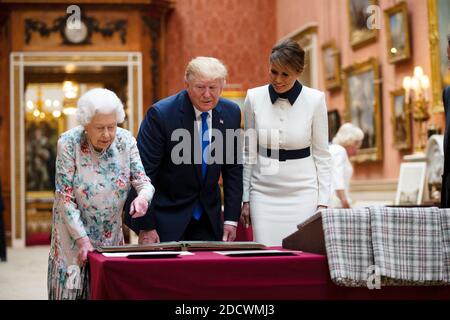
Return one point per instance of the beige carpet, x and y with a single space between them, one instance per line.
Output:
24 275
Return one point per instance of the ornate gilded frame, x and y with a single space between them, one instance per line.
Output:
395 52
434 39
238 97
307 38
359 37
21 60
331 55
400 119
358 78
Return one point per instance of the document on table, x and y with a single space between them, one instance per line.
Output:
259 253
159 253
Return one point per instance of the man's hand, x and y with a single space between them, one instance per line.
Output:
245 215
138 207
229 233
148 236
84 246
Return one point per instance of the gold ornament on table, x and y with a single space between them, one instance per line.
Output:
416 95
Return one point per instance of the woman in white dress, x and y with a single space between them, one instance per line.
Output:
345 144
286 158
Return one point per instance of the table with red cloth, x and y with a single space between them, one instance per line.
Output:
207 275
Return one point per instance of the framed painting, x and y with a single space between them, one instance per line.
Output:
438 30
397 28
411 183
359 17
237 97
40 152
334 123
363 107
307 39
331 65
401 120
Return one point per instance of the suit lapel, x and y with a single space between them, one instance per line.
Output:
188 122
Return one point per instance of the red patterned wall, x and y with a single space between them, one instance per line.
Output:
239 32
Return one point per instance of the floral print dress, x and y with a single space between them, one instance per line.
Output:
91 189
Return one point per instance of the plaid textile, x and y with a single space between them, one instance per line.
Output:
407 243
445 227
348 244
409 246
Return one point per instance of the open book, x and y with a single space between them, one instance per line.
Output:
184 246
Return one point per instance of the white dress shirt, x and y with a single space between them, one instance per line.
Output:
198 119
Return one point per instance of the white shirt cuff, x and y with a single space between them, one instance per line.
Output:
231 223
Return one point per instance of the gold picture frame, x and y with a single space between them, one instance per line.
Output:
401 120
358 17
438 24
363 106
397 29
237 97
331 65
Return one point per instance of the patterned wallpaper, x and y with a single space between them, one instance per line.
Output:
240 33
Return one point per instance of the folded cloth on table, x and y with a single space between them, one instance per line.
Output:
348 244
445 228
407 243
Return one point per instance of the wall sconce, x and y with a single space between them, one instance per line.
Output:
416 95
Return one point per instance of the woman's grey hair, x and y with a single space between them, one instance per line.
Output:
205 67
348 134
288 54
96 101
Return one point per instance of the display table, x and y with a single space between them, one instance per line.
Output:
207 275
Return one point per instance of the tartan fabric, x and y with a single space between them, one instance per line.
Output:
348 244
407 243
445 227
410 246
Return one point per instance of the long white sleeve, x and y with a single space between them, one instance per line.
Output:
320 152
250 142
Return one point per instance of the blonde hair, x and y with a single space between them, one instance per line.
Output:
99 100
205 67
348 134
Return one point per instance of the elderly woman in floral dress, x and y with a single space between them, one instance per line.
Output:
96 164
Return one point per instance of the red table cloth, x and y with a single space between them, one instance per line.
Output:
207 275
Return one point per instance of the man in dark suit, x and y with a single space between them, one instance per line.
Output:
184 160
445 192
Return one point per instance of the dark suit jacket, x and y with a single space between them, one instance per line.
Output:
445 192
180 186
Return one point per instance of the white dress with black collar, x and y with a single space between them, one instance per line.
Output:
282 194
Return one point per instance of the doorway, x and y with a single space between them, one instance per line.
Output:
44 90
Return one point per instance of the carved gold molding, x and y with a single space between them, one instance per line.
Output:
374 153
433 36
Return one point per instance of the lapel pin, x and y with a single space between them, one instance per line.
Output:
221 121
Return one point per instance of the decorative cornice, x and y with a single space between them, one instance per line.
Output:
93 25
